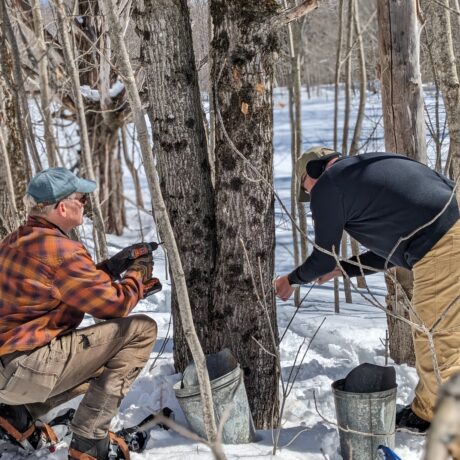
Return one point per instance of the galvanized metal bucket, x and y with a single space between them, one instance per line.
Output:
365 420
229 397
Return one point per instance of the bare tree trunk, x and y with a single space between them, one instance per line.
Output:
242 48
110 11
295 121
402 99
338 66
44 85
63 24
132 169
176 117
346 122
361 281
439 38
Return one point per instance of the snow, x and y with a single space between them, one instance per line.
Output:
345 340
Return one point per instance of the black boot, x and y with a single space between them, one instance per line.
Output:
97 448
19 419
407 419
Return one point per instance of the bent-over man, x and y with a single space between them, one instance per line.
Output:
406 215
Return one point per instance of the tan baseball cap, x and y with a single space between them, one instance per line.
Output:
315 153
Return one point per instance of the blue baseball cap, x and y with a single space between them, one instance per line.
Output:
54 184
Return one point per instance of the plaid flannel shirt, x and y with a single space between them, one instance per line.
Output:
48 282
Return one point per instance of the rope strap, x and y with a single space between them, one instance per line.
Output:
121 444
75 454
14 433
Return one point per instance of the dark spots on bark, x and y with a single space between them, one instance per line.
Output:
228 162
146 35
190 123
218 11
272 43
221 41
194 275
257 204
180 145
231 232
247 92
235 184
198 232
166 146
242 55
247 371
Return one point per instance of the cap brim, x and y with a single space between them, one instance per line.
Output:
303 196
85 185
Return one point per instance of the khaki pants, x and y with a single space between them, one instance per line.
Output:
436 286
101 361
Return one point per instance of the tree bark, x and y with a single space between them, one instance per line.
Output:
180 146
404 125
242 50
116 33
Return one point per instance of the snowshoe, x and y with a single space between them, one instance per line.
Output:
118 445
18 433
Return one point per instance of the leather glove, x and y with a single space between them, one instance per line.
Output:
152 286
120 262
144 265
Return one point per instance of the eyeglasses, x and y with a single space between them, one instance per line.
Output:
83 200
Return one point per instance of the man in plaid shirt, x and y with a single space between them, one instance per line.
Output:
47 284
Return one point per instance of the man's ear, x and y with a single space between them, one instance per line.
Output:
61 209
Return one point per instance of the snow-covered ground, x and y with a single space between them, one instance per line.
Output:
345 340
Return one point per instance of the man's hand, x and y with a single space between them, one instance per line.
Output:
328 276
144 265
283 289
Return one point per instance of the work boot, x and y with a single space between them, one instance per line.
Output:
98 449
18 427
407 419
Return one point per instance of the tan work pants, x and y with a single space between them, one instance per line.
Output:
101 361
436 286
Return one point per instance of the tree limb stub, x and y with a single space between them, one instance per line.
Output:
291 14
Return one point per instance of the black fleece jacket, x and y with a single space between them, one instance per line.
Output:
379 199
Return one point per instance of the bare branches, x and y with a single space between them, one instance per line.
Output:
291 14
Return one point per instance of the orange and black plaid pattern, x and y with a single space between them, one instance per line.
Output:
48 282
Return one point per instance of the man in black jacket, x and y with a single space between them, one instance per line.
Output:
406 215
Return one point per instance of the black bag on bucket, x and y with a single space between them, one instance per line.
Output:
370 378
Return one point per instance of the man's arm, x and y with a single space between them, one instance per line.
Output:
81 285
368 259
328 215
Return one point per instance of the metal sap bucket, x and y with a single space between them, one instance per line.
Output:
365 420
228 392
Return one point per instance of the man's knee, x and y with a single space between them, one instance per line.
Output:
144 326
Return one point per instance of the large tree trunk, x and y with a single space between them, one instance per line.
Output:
183 165
438 30
403 118
242 50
